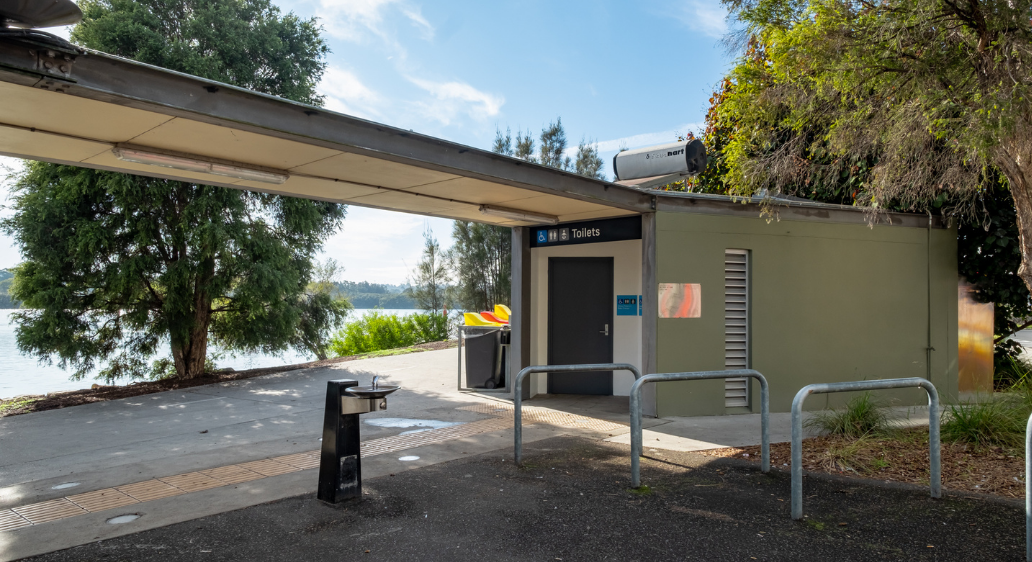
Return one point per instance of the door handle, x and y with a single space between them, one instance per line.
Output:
606 331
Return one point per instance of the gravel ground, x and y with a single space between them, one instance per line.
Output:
572 502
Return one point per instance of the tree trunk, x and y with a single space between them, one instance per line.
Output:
1015 160
190 356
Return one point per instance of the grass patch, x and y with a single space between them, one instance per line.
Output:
15 405
996 422
643 490
815 524
862 416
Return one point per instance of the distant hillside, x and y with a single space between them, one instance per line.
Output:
364 294
361 294
5 285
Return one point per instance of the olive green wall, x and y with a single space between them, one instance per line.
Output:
830 302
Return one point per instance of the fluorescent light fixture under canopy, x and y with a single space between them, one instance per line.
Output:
515 215
196 165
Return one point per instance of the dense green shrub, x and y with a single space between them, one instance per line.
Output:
862 416
378 331
429 327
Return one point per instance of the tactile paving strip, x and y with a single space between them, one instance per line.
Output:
300 461
10 520
101 500
232 474
192 482
167 486
52 510
268 467
548 416
149 490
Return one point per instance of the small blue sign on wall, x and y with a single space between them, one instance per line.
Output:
628 305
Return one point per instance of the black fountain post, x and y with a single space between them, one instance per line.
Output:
340 464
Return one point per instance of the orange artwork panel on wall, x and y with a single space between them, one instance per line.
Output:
680 300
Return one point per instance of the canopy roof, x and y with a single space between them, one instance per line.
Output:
73 106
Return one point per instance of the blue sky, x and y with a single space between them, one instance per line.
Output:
622 74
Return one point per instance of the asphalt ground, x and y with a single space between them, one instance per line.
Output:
572 501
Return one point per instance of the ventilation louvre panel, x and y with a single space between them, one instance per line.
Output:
736 325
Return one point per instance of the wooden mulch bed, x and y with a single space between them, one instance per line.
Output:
902 457
101 393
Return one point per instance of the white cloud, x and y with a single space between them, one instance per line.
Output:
358 20
708 17
382 246
451 99
345 93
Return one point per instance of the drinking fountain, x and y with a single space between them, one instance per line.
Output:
340 463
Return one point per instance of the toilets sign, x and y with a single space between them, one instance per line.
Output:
610 230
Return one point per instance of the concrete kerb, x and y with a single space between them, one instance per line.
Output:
517 394
935 476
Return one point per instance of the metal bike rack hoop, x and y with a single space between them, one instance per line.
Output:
517 396
636 435
1028 490
935 479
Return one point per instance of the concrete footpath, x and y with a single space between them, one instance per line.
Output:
175 456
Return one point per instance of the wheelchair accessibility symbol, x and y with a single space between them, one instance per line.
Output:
542 236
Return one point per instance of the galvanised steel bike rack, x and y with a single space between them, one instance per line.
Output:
935 479
517 396
1028 490
636 436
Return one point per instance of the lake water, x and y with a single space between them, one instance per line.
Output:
21 374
